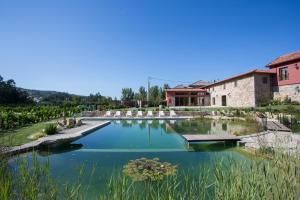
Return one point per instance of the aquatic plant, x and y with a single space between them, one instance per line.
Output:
144 169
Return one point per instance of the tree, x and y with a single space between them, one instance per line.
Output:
10 94
142 95
127 94
154 95
163 91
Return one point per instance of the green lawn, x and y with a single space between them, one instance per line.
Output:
280 107
20 136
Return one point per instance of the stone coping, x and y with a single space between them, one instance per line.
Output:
64 136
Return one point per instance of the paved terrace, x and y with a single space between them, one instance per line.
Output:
67 135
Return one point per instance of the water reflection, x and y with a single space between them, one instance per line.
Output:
65 148
210 146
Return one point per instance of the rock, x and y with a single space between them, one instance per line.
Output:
71 122
78 122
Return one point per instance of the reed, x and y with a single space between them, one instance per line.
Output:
275 178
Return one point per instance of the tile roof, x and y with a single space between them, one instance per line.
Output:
185 90
199 83
285 58
256 71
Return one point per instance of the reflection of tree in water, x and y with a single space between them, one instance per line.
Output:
126 123
142 124
197 126
154 124
64 148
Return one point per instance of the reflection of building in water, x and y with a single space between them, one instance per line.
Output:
225 127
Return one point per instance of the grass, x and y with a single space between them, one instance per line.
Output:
20 136
260 179
277 178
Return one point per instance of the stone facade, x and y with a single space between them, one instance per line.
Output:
263 88
238 93
246 91
291 92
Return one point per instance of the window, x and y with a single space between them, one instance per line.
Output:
283 73
224 86
213 88
235 83
214 101
265 80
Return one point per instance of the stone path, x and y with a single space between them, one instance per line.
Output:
67 135
286 141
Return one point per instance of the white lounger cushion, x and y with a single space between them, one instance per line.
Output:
139 114
172 113
150 113
161 114
118 113
107 114
129 113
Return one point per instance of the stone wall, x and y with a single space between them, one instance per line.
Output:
263 90
239 92
287 91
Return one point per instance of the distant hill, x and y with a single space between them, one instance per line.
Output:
50 96
40 93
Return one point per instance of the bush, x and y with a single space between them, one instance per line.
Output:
50 129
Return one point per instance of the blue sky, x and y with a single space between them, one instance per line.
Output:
90 46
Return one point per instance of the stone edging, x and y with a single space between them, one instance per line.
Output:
54 139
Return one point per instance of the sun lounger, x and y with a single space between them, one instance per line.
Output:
149 113
117 114
107 114
161 114
139 114
172 113
129 113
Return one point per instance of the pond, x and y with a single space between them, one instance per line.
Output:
108 149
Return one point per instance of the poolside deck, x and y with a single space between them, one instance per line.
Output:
210 138
64 136
138 118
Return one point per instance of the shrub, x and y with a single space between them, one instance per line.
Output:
71 126
50 129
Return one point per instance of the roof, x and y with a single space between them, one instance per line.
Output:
199 83
181 86
256 71
285 58
188 89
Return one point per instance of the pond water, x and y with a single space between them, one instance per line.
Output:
108 149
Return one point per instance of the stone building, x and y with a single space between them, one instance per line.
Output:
245 90
286 83
281 81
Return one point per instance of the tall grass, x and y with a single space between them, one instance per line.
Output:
259 179
277 178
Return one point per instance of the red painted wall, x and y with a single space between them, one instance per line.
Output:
168 97
294 74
